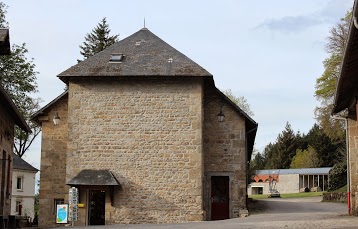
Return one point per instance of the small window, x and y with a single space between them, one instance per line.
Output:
19 183
116 58
57 202
18 207
260 180
253 180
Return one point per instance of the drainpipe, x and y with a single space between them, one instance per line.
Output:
348 166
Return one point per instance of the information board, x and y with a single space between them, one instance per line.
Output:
62 213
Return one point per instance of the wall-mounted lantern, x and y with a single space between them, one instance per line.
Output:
221 116
56 119
7 135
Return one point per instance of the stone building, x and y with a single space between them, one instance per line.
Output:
139 137
346 102
9 117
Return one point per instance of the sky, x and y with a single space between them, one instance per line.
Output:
270 52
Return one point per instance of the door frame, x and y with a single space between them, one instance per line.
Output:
88 200
208 188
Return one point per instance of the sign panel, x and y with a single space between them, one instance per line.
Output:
62 213
73 201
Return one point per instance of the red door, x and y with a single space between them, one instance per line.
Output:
219 197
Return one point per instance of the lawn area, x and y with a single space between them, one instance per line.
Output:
290 195
342 189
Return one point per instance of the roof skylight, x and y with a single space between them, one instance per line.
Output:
117 58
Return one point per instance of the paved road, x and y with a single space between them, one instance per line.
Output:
272 213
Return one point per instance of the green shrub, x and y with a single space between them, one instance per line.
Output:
338 176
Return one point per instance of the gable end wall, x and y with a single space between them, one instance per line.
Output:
225 151
148 133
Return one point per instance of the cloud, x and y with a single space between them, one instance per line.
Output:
290 23
331 12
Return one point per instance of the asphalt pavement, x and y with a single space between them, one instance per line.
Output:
300 213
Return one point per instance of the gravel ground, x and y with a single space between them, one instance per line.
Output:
301 213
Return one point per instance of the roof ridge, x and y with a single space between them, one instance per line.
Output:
145 54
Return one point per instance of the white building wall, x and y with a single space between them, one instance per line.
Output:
288 183
255 185
26 195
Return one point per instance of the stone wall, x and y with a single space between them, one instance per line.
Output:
353 158
335 197
6 149
224 150
53 163
149 134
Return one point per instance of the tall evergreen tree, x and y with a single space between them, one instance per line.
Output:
286 142
329 152
98 40
18 78
279 154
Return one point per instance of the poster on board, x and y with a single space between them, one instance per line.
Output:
62 213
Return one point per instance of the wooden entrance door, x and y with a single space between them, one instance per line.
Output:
219 197
96 213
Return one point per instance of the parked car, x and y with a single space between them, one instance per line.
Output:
274 193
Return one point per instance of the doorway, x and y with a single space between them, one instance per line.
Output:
219 197
96 210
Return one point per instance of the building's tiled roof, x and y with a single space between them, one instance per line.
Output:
303 171
21 164
94 177
145 54
346 89
4 42
9 106
49 105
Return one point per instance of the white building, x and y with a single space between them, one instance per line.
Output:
289 180
23 188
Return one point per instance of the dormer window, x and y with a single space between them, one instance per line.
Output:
117 58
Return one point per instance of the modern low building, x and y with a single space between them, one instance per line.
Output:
289 180
146 137
23 188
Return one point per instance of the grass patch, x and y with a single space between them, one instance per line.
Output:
302 194
257 197
290 195
342 189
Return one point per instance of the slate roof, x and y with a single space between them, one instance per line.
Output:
48 106
346 90
4 42
303 171
145 55
94 177
9 106
21 164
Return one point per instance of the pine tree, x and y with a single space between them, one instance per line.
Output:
98 40
286 146
328 151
